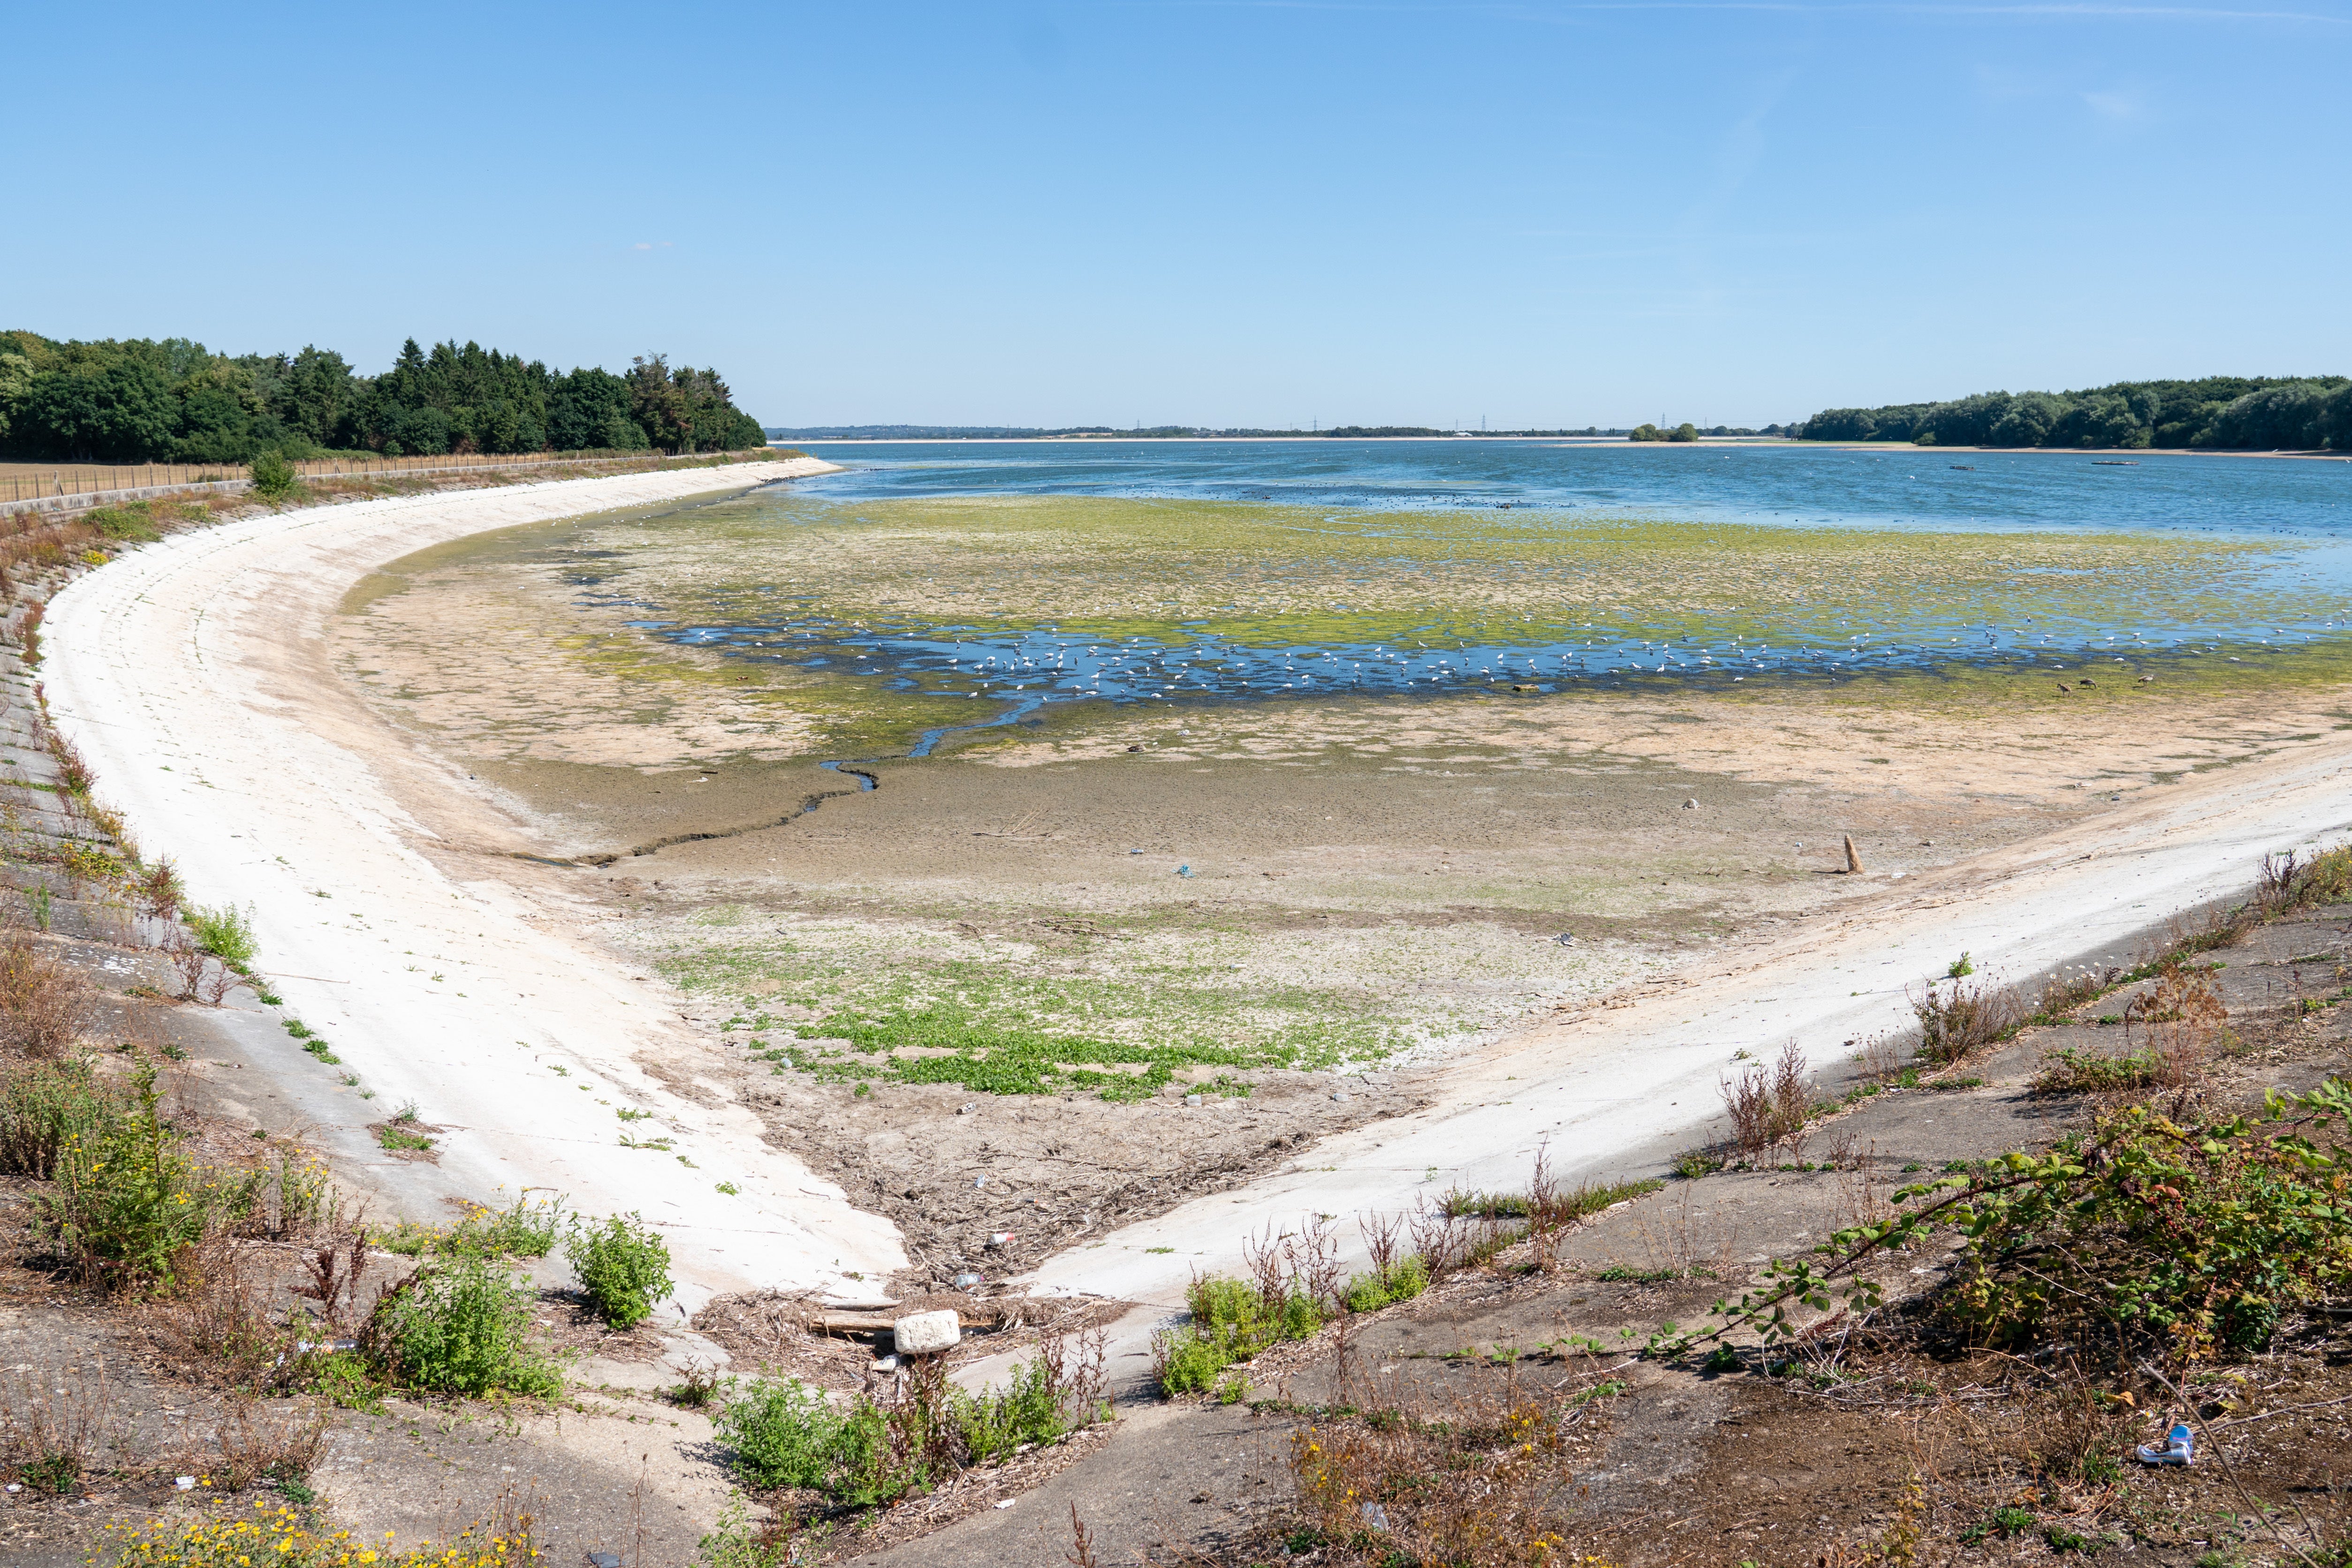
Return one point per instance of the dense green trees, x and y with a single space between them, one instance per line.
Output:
1685 431
2236 411
145 401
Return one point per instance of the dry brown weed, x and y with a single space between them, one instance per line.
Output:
45 1003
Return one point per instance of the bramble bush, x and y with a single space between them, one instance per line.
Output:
2195 1239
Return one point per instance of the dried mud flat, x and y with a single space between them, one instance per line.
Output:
1331 901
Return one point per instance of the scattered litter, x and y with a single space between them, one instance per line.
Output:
1690 804
184 1483
1565 939
14 1486
1191 1098
2178 1448
1376 1516
966 1282
980 1181
1340 1095
886 1363
1135 851
1184 871
1008 1502
999 1237
965 1109
603 1560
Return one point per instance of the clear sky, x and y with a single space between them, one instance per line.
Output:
1227 214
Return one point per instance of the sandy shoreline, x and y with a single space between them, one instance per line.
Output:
192 673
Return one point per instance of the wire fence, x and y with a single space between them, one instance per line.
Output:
34 483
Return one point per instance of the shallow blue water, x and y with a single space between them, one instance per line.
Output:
2305 508
1919 487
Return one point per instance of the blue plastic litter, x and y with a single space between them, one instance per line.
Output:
1183 871
2178 1447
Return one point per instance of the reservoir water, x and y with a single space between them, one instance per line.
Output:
1779 563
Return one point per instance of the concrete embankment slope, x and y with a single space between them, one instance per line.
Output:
392 916
1616 1091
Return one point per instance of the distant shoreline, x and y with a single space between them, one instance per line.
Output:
2132 453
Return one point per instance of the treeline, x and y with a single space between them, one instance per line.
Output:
144 401
2241 413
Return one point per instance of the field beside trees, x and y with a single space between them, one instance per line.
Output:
173 400
2230 413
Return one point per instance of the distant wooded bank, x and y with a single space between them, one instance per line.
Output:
2239 412
174 401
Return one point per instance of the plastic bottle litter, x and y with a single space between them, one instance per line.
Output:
966 1282
1184 871
2178 1447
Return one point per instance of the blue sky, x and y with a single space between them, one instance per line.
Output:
1209 213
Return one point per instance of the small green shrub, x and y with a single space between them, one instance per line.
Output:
786 1434
735 1542
52 1475
407 1239
460 1326
2067 1071
273 476
342 1377
623 1265
393 1138
127 1201
1698 1163
1963 1018
46 1107
1191 1362
226 933
526 1230
1403 1280
1028 1409
1232 1321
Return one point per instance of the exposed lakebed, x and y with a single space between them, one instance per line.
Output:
1272 795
